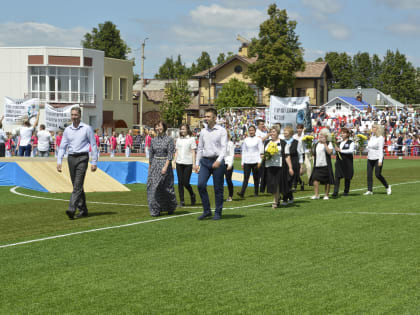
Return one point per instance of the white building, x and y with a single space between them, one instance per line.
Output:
57 76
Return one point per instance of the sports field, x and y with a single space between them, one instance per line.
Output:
355 254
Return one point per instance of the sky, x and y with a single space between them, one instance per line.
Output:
188 27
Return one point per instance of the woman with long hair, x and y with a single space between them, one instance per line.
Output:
375 158
184 160
160 180
252 148
344 163
322 172
278 166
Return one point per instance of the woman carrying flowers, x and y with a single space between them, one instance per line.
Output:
323 172
344 165
278 165
376 158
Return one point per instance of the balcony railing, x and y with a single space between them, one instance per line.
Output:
64 97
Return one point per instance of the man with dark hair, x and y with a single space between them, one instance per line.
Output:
77 137
44 139
210 161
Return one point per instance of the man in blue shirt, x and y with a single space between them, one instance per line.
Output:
78 138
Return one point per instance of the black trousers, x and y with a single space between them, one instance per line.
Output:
77 167
2 150
371 164
183 172
255 174
228 176
346 185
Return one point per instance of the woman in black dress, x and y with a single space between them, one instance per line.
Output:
344 163
160 181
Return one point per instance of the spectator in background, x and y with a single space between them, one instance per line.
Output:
229 157
34 143
44 139
3 139
9 145
113 143
25 134
147 142
58 138
128 143
105 142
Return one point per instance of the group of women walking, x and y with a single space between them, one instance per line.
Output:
277 164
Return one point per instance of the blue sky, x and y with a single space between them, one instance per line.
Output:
188 27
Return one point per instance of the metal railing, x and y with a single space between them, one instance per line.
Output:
64 97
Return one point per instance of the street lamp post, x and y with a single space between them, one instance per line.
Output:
142 84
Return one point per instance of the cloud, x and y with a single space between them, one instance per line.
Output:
405 29
322 8
338 31
401 4
313 54
39 34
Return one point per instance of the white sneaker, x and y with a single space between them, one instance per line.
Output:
229 199
388 190
326 198
315 197
368 193
284 203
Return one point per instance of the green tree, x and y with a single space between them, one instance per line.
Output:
398 77
279 53
107 38
173 69
362 70
342 69
376 72
222 57
203 62
235 93
176 100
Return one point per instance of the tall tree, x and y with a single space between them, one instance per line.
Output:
376 72
107 38
235 93
203 62
173 69
341 67
362 70
223 57
279 53
176 100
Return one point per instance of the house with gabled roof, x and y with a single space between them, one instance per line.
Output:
345 105
311 82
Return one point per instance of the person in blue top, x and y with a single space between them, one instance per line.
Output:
77 138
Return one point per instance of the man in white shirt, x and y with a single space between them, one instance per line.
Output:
211 152
25 134
44 139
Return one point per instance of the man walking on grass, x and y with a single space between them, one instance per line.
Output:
211 152
77 137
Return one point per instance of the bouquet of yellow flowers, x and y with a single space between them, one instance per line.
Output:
334 143
308 140
271 150
361 139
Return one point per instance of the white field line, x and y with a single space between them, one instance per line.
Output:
381 213
155 220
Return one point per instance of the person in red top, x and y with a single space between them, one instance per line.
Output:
98 141
34 143
113 143
9 145
128 143
58 138
147 142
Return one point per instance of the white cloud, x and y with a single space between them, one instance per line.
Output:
217 16
39 34
313 54
322 8
405 29
338 31
401 4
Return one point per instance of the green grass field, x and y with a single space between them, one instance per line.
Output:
356 254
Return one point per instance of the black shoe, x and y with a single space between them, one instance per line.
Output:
302 187
334 195
345 194
240 194
204 215
171 212
217 216
82 213
193 200
70 214
182 204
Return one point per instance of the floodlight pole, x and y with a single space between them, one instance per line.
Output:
142 84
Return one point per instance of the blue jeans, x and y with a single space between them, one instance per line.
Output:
25 151
206 171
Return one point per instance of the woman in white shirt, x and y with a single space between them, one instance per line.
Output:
252 148
278 167
375 160
229 157
25 134
322 172
185 159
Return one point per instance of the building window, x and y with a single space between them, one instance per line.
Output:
108 88
258 93
238 69
338 106
300 92
123 89
60 84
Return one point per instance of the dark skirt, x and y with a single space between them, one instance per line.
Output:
344 167
323 174
277 178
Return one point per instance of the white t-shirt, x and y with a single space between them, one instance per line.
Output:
25 136
321 154
252 148
183 148
44 139
261 134
376 148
